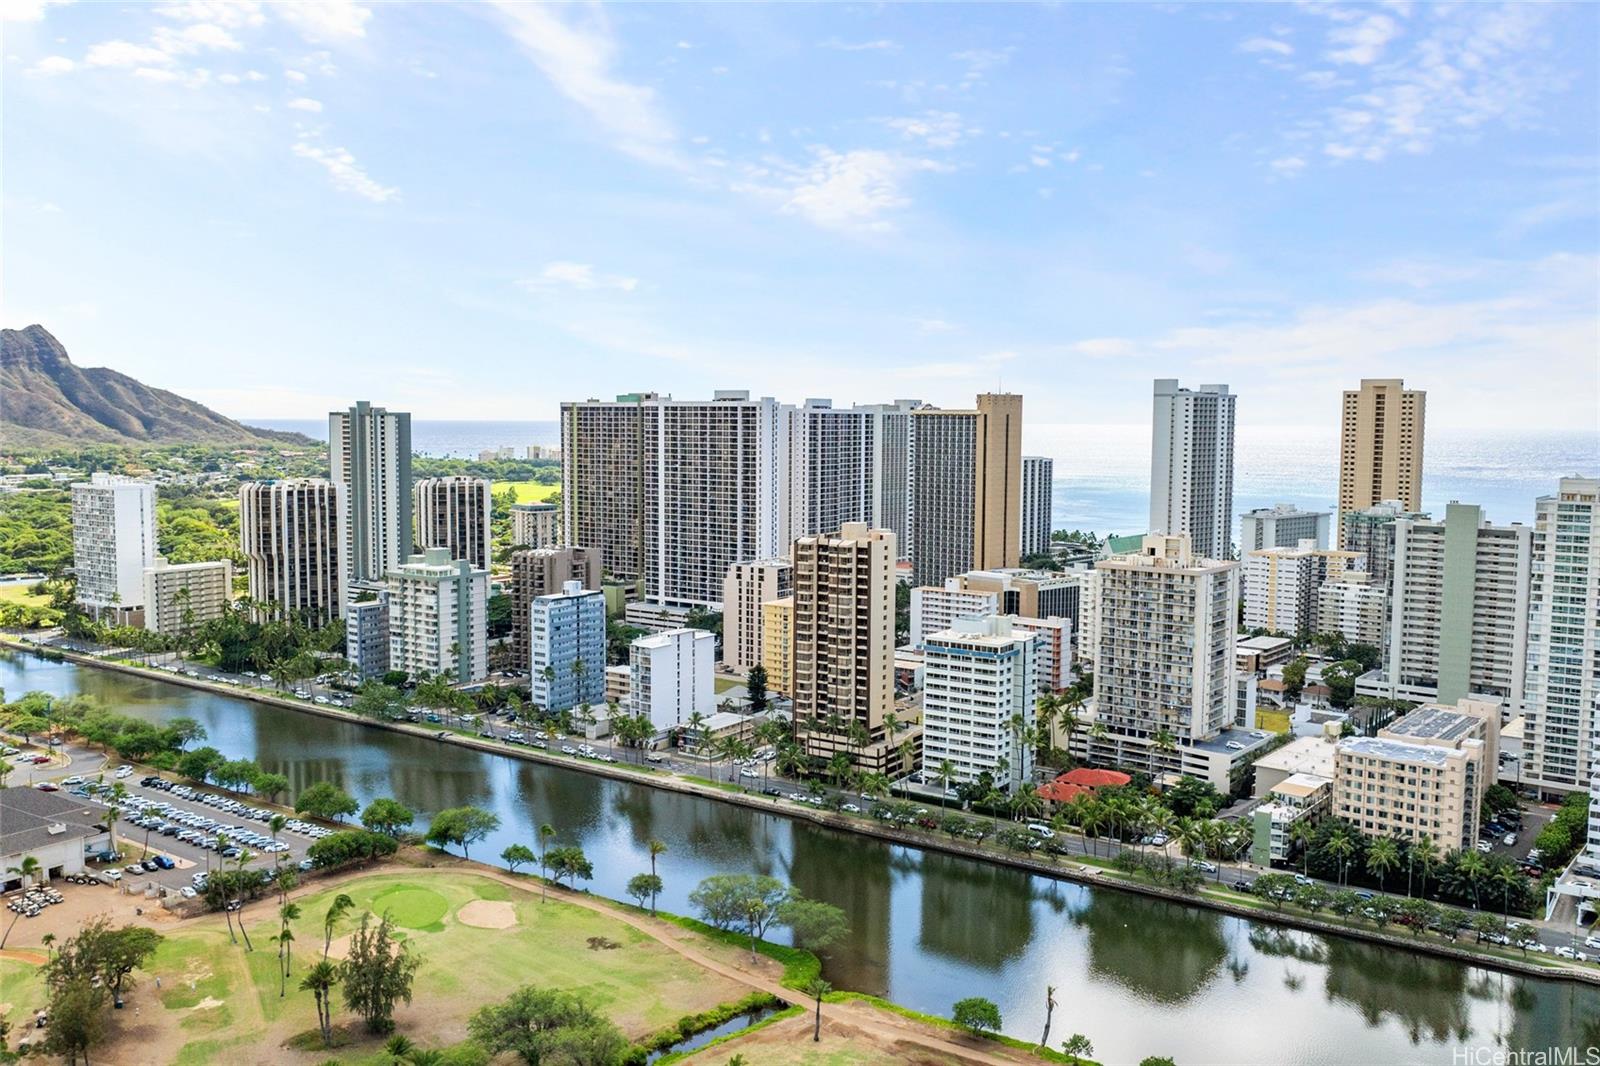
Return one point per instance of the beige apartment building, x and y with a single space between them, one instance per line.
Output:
179 598
1281 585
453 513
1422 776
966 488
293 537
777 644
535 525
843 658
539 572
744 590
1380 446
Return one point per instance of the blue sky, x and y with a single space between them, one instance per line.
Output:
481 210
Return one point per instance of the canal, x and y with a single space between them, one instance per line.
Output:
1139 977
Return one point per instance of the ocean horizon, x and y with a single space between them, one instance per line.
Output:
1102 473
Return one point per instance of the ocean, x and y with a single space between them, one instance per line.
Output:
1102 473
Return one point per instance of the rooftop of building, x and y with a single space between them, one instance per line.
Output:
1301 786
1263 644
1307 755
1395 750
1091 777
31 819
1280 510
1219 743
1434 722
671 636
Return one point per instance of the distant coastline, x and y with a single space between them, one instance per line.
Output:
1102 472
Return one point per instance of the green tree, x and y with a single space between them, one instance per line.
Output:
1078 1047
342 904
516 855
319 981
814 924
377 972
548 1026
271 786
756 686
461 826
643 887
976 1015
817 988
388 816
327 801
77 1019
200 764
571 863
1383 855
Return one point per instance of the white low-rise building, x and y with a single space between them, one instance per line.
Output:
1297 798
671 676
179 598
56 829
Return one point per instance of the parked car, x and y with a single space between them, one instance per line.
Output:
1202 864
1510 840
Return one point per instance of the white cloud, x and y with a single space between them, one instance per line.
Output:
1104 347
196 37
325 20
229 14
1362 42
345 172
936 129
847 191
305 103
157 74
27 10
567 274
1288 166
54 65
979 61
1267 44
297 76
125 54
578 61
882 45
935 325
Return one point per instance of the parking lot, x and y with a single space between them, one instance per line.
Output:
193 828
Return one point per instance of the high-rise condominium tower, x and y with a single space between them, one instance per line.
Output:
113 541
453 513
293 537
1562 705
1191 465
744 590
1038 475
966 488
844 464
1380 445
843 667
539 572
369 457
673 492
439 617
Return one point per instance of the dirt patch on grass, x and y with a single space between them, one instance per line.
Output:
208 1003
488 914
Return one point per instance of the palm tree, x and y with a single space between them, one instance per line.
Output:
817 988
697 725
319 981
1300 832
286 914
1424 853
1191 836
1341 847
276 824
547 833
245 855
28 868
1471 868
336 910
1505 875
947 774
1091 819
1383 855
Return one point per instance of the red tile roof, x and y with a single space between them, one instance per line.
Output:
1084 777
1059 791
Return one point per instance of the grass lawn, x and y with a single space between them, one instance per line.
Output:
527 491
222 1000
723 684
22 994
19 594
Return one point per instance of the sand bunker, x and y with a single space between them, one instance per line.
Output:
488 914
207 1004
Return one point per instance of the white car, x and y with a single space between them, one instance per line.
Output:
1201 864
1592 942
187 893
1234 745
1565 952
850 808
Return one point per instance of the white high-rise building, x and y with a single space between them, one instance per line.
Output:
674 492
1458 613
936 608
567 648
292 535
1283 526
981 683
439 617
454 513
744 590
670 676
535 525
180 598
1165 653
113 541
369 457
1281 585
1191 466
1355 608
1561 708
1038 480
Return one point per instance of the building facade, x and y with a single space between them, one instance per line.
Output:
1281 585
934 610
843 659
1191 465
674 492
1561 705
670 677
1355 608
366 634
439 617
535 525
744 590
1380 445
777 644
178 598
1165 660
113 542
1424 775
369 458
454 513
1038 484
1371 533
980 684
966 488
539 572
567 648
1283 526
293 537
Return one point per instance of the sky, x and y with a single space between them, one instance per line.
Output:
480 210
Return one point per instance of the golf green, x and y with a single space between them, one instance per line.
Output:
411 907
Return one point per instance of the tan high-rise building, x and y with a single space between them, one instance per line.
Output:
453 513
539 572
744 590
844 646
1380 446
777 644
293 537
966 488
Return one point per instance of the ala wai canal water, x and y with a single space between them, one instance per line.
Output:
1139 977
